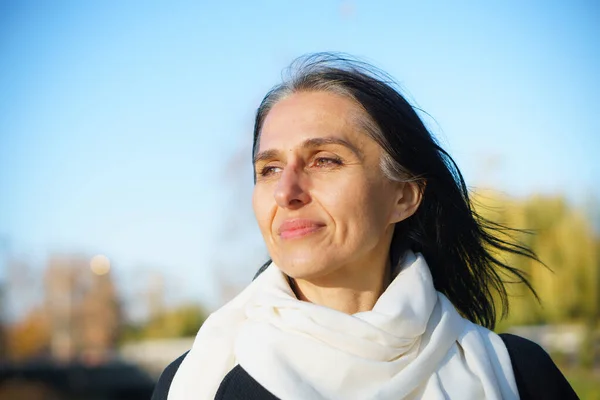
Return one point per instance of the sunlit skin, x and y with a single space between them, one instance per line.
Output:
324 207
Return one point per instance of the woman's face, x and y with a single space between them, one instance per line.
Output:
321 200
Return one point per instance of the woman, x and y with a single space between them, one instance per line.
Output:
382 275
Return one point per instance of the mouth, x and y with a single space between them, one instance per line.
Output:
297 228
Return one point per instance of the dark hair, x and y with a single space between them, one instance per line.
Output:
458 244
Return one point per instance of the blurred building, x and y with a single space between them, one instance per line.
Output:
82 308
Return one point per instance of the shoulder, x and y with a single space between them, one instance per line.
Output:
525 351
526 354
161 390
536 374
237 384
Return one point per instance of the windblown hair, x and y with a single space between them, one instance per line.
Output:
460 246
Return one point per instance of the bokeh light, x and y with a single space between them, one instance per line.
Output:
100 265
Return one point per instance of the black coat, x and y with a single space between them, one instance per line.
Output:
536 374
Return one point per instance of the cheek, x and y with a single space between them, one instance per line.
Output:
358 207
262 206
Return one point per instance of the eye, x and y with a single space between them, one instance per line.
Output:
269 170
324 162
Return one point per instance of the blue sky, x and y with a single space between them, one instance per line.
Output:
125 128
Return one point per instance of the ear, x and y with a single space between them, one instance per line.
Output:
408 200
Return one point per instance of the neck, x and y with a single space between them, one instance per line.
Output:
349 290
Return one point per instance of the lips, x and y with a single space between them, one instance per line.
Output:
296 228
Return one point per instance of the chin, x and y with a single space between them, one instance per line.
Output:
304 268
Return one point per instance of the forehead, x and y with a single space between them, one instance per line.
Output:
306 115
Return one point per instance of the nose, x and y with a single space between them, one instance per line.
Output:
290 191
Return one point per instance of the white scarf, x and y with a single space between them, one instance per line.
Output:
412 345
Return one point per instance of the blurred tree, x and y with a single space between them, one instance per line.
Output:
181 321
2 323
25 329
155 295
23 287
566 242
29 337
4 246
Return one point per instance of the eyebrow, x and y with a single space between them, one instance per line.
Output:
311 143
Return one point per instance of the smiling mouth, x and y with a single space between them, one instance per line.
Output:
298 228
